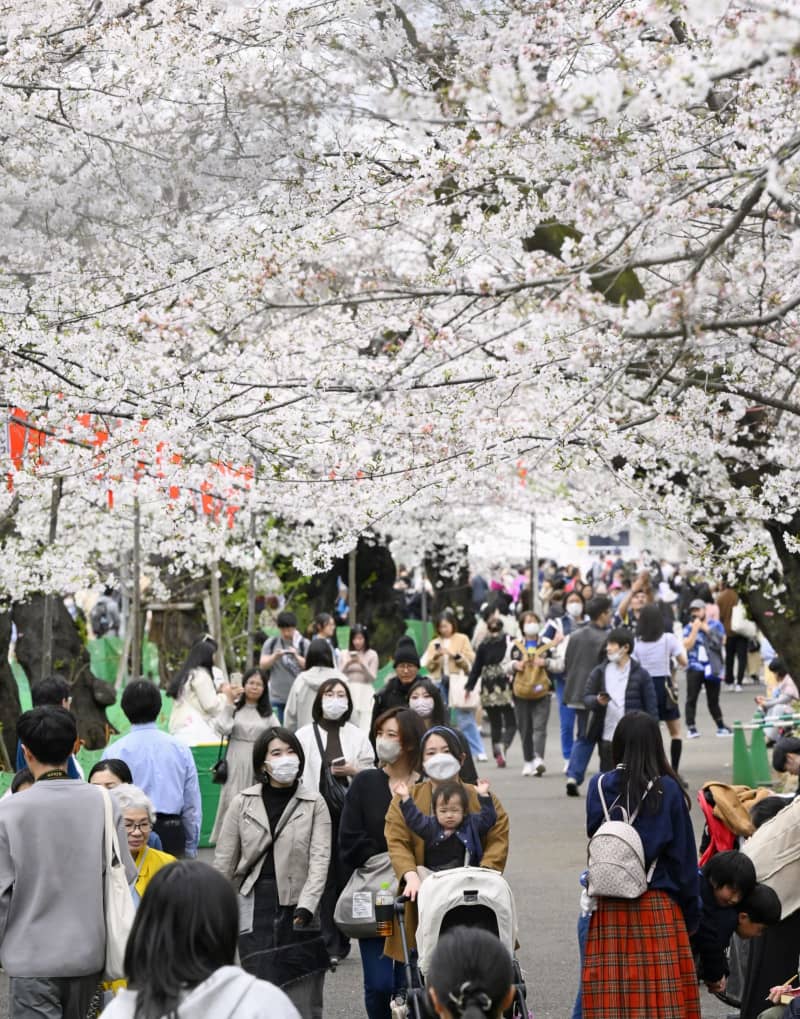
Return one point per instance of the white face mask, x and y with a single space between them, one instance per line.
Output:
284 769
388 750
333 707
531 629
575 609
441 767
422 705
614 656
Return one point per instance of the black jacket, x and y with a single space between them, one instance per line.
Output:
640 695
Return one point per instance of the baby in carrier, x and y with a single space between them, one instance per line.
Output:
452 836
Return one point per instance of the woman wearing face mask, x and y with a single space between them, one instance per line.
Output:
397 734
448 659
319 667
275 846
252 714
557 631
440 752
532 715
491 667
345 749
424 699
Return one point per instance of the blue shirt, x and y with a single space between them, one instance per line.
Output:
698 656
163 768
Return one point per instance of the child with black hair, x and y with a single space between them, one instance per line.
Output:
451 820
725 881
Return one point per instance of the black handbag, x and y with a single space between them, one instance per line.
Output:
331 790
219 771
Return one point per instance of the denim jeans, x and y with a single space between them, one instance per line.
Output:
566 716
583 933
465 720
278 710
582 750
382 977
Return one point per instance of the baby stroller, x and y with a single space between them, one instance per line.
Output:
461 897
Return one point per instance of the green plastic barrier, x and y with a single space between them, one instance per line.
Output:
205 757
422 633
23 686
104 656
343 637
750 763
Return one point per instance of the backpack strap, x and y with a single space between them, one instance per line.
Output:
634 815
602 798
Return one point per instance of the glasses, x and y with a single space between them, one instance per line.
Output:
143 827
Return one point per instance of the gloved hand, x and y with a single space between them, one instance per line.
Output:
302 918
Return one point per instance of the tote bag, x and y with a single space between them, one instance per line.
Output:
354 914
117 899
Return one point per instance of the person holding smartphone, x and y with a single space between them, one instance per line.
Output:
332 740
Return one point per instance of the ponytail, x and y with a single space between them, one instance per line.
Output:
471 973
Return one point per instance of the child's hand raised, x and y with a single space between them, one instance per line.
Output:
482 787
400 789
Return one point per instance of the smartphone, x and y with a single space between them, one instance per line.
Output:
288 651
337 762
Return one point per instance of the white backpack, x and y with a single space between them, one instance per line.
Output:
616 856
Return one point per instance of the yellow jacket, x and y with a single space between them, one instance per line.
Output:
407 850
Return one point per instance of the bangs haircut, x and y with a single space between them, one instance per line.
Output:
325 687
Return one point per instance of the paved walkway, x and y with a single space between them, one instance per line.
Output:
548 853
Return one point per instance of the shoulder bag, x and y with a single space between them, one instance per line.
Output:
219 771
332 792
118 907
354 914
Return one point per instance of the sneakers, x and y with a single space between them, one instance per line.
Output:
692 733
724 731
737 687
527 768
499 759
538 766
572 787
482 758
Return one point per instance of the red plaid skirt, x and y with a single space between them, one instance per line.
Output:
638 963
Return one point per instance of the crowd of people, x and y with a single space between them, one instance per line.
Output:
332 789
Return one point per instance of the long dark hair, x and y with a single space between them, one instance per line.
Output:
471 972
650 624
438 715
201 656
186 928
263 704
319 653
638 751
360 628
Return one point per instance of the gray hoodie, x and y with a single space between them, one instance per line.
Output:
228 992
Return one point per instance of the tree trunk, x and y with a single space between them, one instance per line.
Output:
90 696
9 694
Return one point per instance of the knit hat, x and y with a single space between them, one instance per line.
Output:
406 651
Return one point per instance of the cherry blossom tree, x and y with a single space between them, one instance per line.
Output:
385 253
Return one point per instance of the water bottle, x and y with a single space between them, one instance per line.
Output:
384 911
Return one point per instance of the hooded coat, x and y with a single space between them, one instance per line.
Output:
304 689
228 992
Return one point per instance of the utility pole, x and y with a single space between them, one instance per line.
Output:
136 592
352 607
49 604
